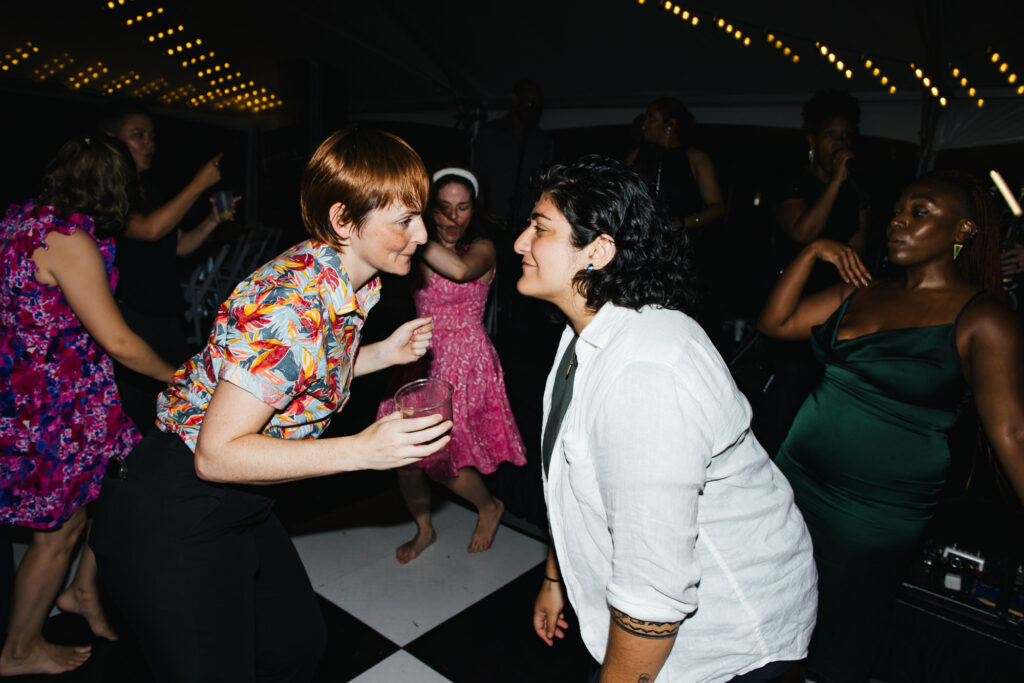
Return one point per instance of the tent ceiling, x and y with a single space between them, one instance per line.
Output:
393 55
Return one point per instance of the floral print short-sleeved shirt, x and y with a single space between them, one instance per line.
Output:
288 335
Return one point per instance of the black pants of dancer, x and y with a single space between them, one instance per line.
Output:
204 574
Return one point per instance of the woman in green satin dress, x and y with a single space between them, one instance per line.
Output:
867 454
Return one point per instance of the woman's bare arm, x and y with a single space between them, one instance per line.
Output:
73 263
477 262
994 366
153 226
232 449
788 314
710 193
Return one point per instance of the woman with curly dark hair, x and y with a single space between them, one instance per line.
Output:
658 494
60 415
868 453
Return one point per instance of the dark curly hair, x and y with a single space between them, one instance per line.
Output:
827 105
652 264
92 175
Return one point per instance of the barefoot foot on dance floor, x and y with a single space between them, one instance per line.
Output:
411 550
87 606
42 657
486 528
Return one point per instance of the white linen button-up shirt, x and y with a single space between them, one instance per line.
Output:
663 505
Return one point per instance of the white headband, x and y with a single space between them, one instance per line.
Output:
462 173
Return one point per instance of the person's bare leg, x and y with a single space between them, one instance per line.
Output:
470 486
415 488
82 597
36 583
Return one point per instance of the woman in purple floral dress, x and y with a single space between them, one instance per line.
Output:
60 415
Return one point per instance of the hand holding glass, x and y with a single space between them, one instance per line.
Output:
424 397
223 202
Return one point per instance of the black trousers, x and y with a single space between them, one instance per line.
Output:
205 575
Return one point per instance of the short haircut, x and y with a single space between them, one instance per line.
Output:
362 169
825 106
652 265
95 176
113 116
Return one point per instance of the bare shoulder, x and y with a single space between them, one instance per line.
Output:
75 240
60 246
988 322
698 157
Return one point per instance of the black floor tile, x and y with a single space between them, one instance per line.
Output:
493 641
352 646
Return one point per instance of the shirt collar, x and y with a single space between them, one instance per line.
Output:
338 286
605 324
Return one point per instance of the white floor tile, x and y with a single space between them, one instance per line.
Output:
401 667
362 534
404 601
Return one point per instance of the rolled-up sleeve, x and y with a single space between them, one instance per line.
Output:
270 350
652 443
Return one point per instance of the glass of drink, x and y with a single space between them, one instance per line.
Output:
431 396
224 202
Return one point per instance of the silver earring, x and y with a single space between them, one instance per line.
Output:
810 156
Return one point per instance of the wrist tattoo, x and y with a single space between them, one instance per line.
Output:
644 629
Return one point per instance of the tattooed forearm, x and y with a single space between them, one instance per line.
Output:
644 629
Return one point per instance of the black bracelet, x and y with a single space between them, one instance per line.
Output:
553 580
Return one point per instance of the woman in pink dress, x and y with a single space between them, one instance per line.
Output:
455 274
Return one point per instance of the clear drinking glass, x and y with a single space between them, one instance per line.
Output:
223 201
424 397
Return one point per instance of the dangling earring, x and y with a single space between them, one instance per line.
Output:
810 156
957 248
